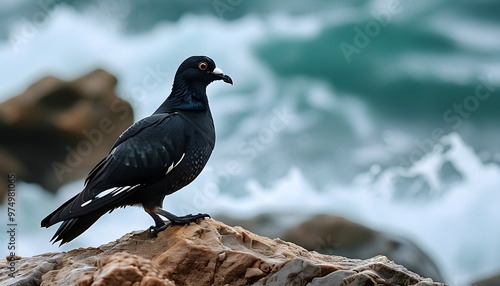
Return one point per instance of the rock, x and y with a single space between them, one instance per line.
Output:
490 281
270 225
56 131
335 235
122 268
339 236
208 253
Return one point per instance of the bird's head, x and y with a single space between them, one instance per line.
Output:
201 70
190 84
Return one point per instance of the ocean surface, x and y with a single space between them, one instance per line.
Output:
385 112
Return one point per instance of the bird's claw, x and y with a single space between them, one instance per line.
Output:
188 219
183 220
154 230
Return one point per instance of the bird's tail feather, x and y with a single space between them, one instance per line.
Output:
72 228
53 218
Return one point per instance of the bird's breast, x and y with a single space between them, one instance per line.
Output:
200 141
189 168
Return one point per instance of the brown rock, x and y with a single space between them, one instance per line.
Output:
339 236
209 253
126 269
335 235
56 131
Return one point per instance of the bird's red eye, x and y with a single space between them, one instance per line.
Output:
203 66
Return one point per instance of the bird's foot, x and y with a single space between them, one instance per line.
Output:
177 220
187 219
154 230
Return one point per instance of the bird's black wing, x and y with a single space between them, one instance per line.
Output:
144 153
156 129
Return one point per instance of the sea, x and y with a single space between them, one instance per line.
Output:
380 111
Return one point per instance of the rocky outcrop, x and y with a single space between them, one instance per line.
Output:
208 253
336 235
56 131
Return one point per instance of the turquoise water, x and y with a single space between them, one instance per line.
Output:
380 111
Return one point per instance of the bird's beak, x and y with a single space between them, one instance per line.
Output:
219 73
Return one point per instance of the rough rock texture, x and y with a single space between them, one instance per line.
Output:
126 269
55 131
335 235
208 253
339 236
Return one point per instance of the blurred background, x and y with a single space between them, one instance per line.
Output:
376 115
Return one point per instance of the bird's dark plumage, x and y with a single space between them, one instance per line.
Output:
154 157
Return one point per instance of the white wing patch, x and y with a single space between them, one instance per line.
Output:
106 192
86 203
122 190
175 165
112 191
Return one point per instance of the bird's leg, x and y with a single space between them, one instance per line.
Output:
159 224
180 220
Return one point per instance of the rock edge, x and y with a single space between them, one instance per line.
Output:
208 253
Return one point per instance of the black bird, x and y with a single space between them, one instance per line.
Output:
154 157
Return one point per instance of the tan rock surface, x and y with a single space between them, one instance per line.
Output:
338 236
208 253
334 235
